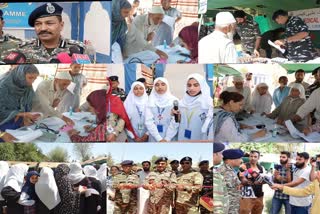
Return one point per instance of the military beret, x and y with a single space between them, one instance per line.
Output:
45 10
174 161
127 162
146 162
161 159
232 154
218 147
114 78
185 159
203 162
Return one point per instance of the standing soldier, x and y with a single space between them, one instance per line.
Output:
125 185
174 166
232 158
119 92
189 184
207 189
161 184
249 32
220 192
7 42
48 24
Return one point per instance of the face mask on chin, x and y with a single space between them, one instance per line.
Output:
230 35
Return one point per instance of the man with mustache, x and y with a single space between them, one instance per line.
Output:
49 94
300 180
48 25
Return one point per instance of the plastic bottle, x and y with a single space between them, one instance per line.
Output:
70 110
165 44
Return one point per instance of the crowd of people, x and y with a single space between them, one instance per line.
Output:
21 105
152 117
48 25
137 35
66 189
238 186
219 45
295 102
176 189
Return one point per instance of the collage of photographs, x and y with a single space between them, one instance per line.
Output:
160 107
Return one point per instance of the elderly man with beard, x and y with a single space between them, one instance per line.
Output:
301 179
142 31
49 94
218 47
282 175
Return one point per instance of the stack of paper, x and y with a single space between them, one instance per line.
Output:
295 133
26 135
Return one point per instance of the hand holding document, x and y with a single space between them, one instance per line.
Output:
295 133
282 50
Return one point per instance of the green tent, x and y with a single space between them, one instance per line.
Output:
223 70
308 68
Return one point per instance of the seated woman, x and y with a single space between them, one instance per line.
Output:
311 189
289 106
97 105
193 110
189 39
16 99
261 99
158 111
117 118
135 105
120 10
11 191
225 126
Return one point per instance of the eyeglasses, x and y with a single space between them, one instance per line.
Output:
45 127
185 163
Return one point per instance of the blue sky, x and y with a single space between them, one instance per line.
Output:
139 152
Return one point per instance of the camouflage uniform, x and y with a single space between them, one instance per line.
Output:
249 32
125 199
8 43
119 92
188 199
35 52
207 189
220 194
302 50
232 183
160 199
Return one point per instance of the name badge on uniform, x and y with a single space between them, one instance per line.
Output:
110 129
140 126
160 128
187 133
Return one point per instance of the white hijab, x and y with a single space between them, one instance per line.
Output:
75 175
46 188
102 175
204 99
15 176
161 100
132 100
4 168
300 88
90 171
261 103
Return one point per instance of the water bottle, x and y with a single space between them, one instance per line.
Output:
165 44
70 111
274 130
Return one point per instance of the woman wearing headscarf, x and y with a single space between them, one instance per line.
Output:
193 110
97 105
12 188
4 168
93 200
70 198
158 110
28 198
120 10
102 175
189 39
261 99
135 105
47 191
290 105
117 118
16 98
